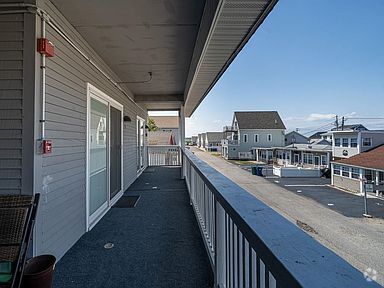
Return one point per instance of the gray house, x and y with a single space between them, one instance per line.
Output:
295 137
251 130
213 141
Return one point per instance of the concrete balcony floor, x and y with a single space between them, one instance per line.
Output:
156 244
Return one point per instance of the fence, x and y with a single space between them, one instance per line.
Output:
164 155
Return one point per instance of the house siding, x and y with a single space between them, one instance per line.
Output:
62 216
16 103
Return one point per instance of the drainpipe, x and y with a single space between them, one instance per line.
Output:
43 68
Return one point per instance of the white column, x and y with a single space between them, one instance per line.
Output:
182 138
332 175
361 176
377 182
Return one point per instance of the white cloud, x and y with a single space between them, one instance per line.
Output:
320 117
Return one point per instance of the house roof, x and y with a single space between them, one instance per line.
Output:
214 136
317 135
352 127
166 121
160 138
373 159
259 120
309 147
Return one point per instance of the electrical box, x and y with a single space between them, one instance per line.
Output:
46 47
46 146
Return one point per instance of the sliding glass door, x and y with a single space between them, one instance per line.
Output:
104 158
98 157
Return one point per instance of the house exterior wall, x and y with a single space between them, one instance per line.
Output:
278 139
346 183
62 214
346 152
17 50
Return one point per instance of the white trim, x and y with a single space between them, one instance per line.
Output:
93 92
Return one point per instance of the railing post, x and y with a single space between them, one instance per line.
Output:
182 139
220 254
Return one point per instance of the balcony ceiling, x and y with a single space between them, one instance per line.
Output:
135 37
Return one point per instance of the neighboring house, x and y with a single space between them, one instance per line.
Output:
348 143
251 130
160 138
308 155
203 140
194 140
316 136
213 141
349 173
168 124
198 144
295 137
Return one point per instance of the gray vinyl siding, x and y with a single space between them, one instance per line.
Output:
16 103
62 217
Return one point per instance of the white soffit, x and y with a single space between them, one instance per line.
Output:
234 24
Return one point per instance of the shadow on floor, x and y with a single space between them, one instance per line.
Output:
156 244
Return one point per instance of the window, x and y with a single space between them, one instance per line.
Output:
355 173
310 158
269 137
345 171
353 142
345 142
367 142
245 137
381 177
336 169
256 138
368 175
305 158
337 142
323 160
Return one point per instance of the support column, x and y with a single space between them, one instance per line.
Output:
182 139
361 177
377 182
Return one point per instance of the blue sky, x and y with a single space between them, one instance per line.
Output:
310 60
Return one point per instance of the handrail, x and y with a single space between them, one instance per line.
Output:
164 155
251 245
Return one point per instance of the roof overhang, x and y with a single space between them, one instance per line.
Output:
163 49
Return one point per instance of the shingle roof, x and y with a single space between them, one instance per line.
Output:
160 138
214 136
259 120
166 121
316 135
373 159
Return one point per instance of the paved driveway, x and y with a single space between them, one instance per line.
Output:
317 189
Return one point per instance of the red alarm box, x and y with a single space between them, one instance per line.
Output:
44 46
47 146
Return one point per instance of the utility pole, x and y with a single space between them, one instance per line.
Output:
337 122
342 123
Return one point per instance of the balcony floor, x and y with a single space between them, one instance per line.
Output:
156 244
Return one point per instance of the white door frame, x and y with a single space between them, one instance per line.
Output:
110 102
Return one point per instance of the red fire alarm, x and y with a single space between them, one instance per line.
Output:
47 146
44 46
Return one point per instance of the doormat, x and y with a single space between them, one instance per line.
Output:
127 202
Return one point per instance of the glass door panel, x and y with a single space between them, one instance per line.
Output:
115 152
98 157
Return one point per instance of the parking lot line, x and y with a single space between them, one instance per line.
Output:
304 185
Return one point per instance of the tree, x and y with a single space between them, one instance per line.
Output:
152 125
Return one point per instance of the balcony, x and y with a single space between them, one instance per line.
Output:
158 244
228 142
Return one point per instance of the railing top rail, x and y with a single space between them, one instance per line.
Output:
297 259
163 146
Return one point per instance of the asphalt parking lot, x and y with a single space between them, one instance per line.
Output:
317 189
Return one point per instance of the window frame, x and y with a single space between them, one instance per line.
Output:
353 142
337 169
256 138
370 142
354 174
245 138
344 170
344 142
337 142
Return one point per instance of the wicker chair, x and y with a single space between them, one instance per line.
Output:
17 218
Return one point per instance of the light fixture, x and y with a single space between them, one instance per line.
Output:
127 119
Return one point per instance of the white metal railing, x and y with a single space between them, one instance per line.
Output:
251 246
164 155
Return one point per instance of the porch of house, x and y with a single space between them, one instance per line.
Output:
156 244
